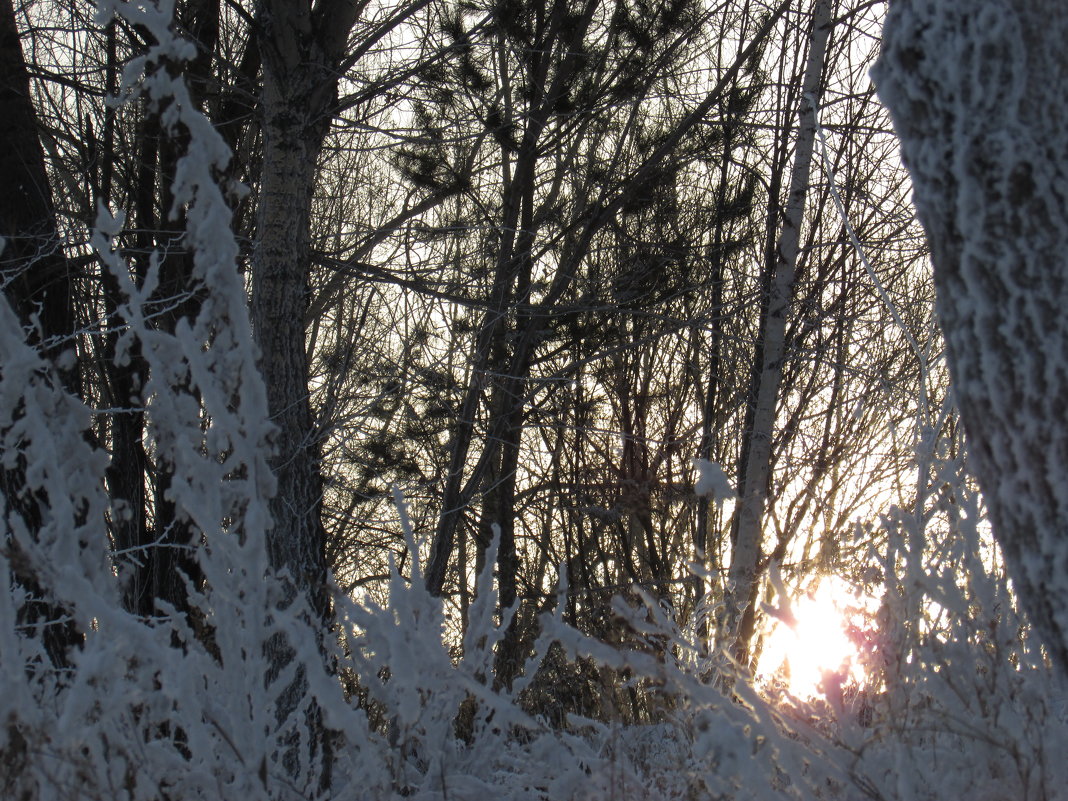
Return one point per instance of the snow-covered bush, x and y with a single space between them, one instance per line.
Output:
967 704
174 706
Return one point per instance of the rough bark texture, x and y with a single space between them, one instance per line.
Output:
301 50
748 531
297 86
280 296
979 97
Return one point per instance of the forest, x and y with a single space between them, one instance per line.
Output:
533 400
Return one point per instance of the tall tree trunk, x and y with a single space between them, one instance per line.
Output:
128 471
711 389
279 304
490 357
749 520
32 263
979 96
34 274
301 49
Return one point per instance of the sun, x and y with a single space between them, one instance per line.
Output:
816 643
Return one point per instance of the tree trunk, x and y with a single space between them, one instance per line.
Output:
748 530
34 277
279 304
32 264
301 50
979 96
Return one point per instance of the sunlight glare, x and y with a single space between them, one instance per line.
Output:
817 642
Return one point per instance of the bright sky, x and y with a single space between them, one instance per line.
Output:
817 642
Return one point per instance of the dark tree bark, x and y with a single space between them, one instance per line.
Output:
302 49
34 274
33 265
304 52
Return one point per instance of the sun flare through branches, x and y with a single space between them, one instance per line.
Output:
810 641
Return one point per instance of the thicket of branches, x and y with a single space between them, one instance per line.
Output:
408 399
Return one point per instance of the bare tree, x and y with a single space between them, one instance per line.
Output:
749 523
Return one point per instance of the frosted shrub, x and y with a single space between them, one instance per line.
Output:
135 708
959 700
969 707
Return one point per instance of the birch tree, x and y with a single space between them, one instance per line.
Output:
979 96
748 524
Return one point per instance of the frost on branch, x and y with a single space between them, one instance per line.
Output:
211 356
979 96
712 481
134 706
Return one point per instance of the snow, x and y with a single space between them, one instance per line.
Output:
712 482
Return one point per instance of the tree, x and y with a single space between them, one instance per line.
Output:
979 96
656 335
34 274
747 534
35 268
302 52
564 116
